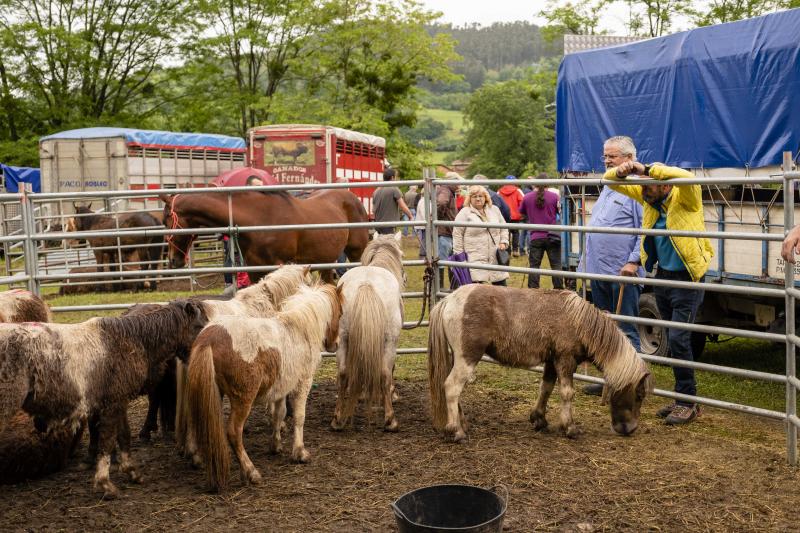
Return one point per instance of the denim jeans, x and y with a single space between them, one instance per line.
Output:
408 230
536 251
445 250
679 305
421 237
605 295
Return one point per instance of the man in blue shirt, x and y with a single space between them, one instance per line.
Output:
616 255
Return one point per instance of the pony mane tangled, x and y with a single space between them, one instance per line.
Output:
277 286
309 310
608 346
384 251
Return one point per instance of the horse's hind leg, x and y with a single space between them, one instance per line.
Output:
278 416
124 440
548 382
298 399
453 386
151 420
338 423
389 420
240 410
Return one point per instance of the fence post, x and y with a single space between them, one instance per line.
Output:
431 240
791 370
28 244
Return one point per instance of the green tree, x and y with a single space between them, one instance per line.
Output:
581 18
510 129
721 11
75 62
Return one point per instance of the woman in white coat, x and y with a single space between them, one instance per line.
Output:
481 243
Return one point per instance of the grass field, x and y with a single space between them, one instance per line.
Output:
454 120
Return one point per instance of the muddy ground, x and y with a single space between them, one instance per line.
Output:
726 473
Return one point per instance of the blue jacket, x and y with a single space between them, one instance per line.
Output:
501 205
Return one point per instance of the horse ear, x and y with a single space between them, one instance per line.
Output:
645 386
166 198
398 236
306 270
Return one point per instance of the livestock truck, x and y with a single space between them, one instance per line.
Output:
312 153
721 101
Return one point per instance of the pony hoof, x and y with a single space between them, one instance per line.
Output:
110 492
254 477
572 432
336 425
539 423
136 477
391 426
197 462
460 437
274 449
144 436
301 456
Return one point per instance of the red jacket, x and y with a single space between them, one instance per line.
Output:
513 197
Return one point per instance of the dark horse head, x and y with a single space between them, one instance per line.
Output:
178 246
626 405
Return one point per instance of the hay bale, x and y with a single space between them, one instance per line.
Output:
25 453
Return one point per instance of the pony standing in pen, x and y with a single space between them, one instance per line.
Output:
250 358
560 331
372 318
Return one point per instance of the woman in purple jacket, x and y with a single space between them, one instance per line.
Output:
541 206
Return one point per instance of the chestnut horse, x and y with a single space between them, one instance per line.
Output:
524 328
271 209
249 358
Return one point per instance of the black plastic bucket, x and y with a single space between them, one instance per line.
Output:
451 508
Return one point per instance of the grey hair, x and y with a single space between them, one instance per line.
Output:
624 143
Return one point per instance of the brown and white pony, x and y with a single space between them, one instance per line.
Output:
65 373
250 358
261 300
19 305
523 328
372 318
104 248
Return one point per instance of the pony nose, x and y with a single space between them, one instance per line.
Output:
625 429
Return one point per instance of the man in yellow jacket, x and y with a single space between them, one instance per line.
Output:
675 207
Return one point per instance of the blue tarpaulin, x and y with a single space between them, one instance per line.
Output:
719 96
13 176
148 138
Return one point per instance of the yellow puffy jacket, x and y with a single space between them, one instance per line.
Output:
684 208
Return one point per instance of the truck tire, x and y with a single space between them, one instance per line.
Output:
653 339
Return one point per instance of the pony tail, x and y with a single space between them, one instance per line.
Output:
206 415
182 413
440 363
365 347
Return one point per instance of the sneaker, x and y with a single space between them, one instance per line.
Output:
665 411
682 414
593 389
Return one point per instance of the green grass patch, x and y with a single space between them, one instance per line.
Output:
454 120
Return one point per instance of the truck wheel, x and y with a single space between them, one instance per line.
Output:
652 338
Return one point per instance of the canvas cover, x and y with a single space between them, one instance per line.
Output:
720 96
13 176
155 139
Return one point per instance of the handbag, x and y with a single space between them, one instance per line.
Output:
459 275
503 256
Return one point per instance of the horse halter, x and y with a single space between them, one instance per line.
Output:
175 224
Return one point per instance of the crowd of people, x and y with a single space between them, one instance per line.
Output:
623 205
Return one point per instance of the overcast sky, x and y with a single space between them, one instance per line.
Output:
486 12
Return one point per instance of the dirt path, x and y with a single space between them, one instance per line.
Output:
709 479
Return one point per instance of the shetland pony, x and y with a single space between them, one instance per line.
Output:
67 372
18 305
250 358
30 448
261 300
523 328
372 318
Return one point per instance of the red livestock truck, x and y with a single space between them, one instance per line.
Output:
308 153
